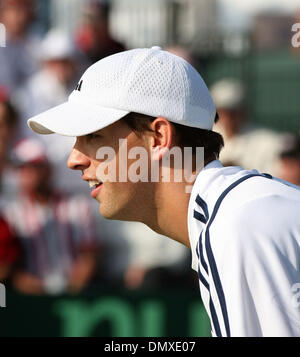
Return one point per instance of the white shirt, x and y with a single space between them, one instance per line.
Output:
248 254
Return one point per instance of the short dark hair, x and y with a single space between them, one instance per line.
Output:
186 136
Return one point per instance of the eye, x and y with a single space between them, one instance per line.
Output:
92 136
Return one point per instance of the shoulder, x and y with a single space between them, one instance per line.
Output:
258 224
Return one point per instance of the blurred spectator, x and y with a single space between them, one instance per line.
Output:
9 247
138 258
115 256
57 232
8 124
18 59
66 14
181 52
245 144
8 127
94 37
9 250
51 86
155 261
289 160
57 77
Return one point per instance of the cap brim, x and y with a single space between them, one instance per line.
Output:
74 119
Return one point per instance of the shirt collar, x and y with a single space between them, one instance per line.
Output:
204 179
201 187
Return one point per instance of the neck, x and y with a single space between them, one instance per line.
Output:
171 209
171 212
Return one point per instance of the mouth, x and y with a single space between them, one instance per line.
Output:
95 187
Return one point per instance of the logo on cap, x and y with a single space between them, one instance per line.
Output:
78 87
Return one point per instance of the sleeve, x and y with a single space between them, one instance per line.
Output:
257 259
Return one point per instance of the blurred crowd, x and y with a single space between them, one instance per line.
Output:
52 239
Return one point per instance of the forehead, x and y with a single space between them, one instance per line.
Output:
119 129
109 136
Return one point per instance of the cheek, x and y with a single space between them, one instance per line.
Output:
108 200
118 191
117 196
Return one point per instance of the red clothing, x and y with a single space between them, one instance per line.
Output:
9 248
95 49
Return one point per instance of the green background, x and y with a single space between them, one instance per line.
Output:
272 83
105 313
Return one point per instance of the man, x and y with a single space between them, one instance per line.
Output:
56 231
8 125
9 122
94 36
289 160
60 64
18 60
243 227
263 145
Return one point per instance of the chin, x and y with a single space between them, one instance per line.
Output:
108 213
114 214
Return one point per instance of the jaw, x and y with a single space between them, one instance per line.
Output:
127 202
118 210
112 213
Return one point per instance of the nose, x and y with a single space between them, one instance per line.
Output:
78 160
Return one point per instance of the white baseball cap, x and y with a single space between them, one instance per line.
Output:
28 151
228 93
57 45
147 81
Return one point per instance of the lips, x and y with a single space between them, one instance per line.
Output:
95 186
96 190
93 183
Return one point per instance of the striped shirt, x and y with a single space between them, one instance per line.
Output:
52 235
244 231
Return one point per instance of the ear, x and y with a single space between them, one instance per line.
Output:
161 138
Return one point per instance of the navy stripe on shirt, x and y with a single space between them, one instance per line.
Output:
200 217
212 309
201 277
203 205
202 260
